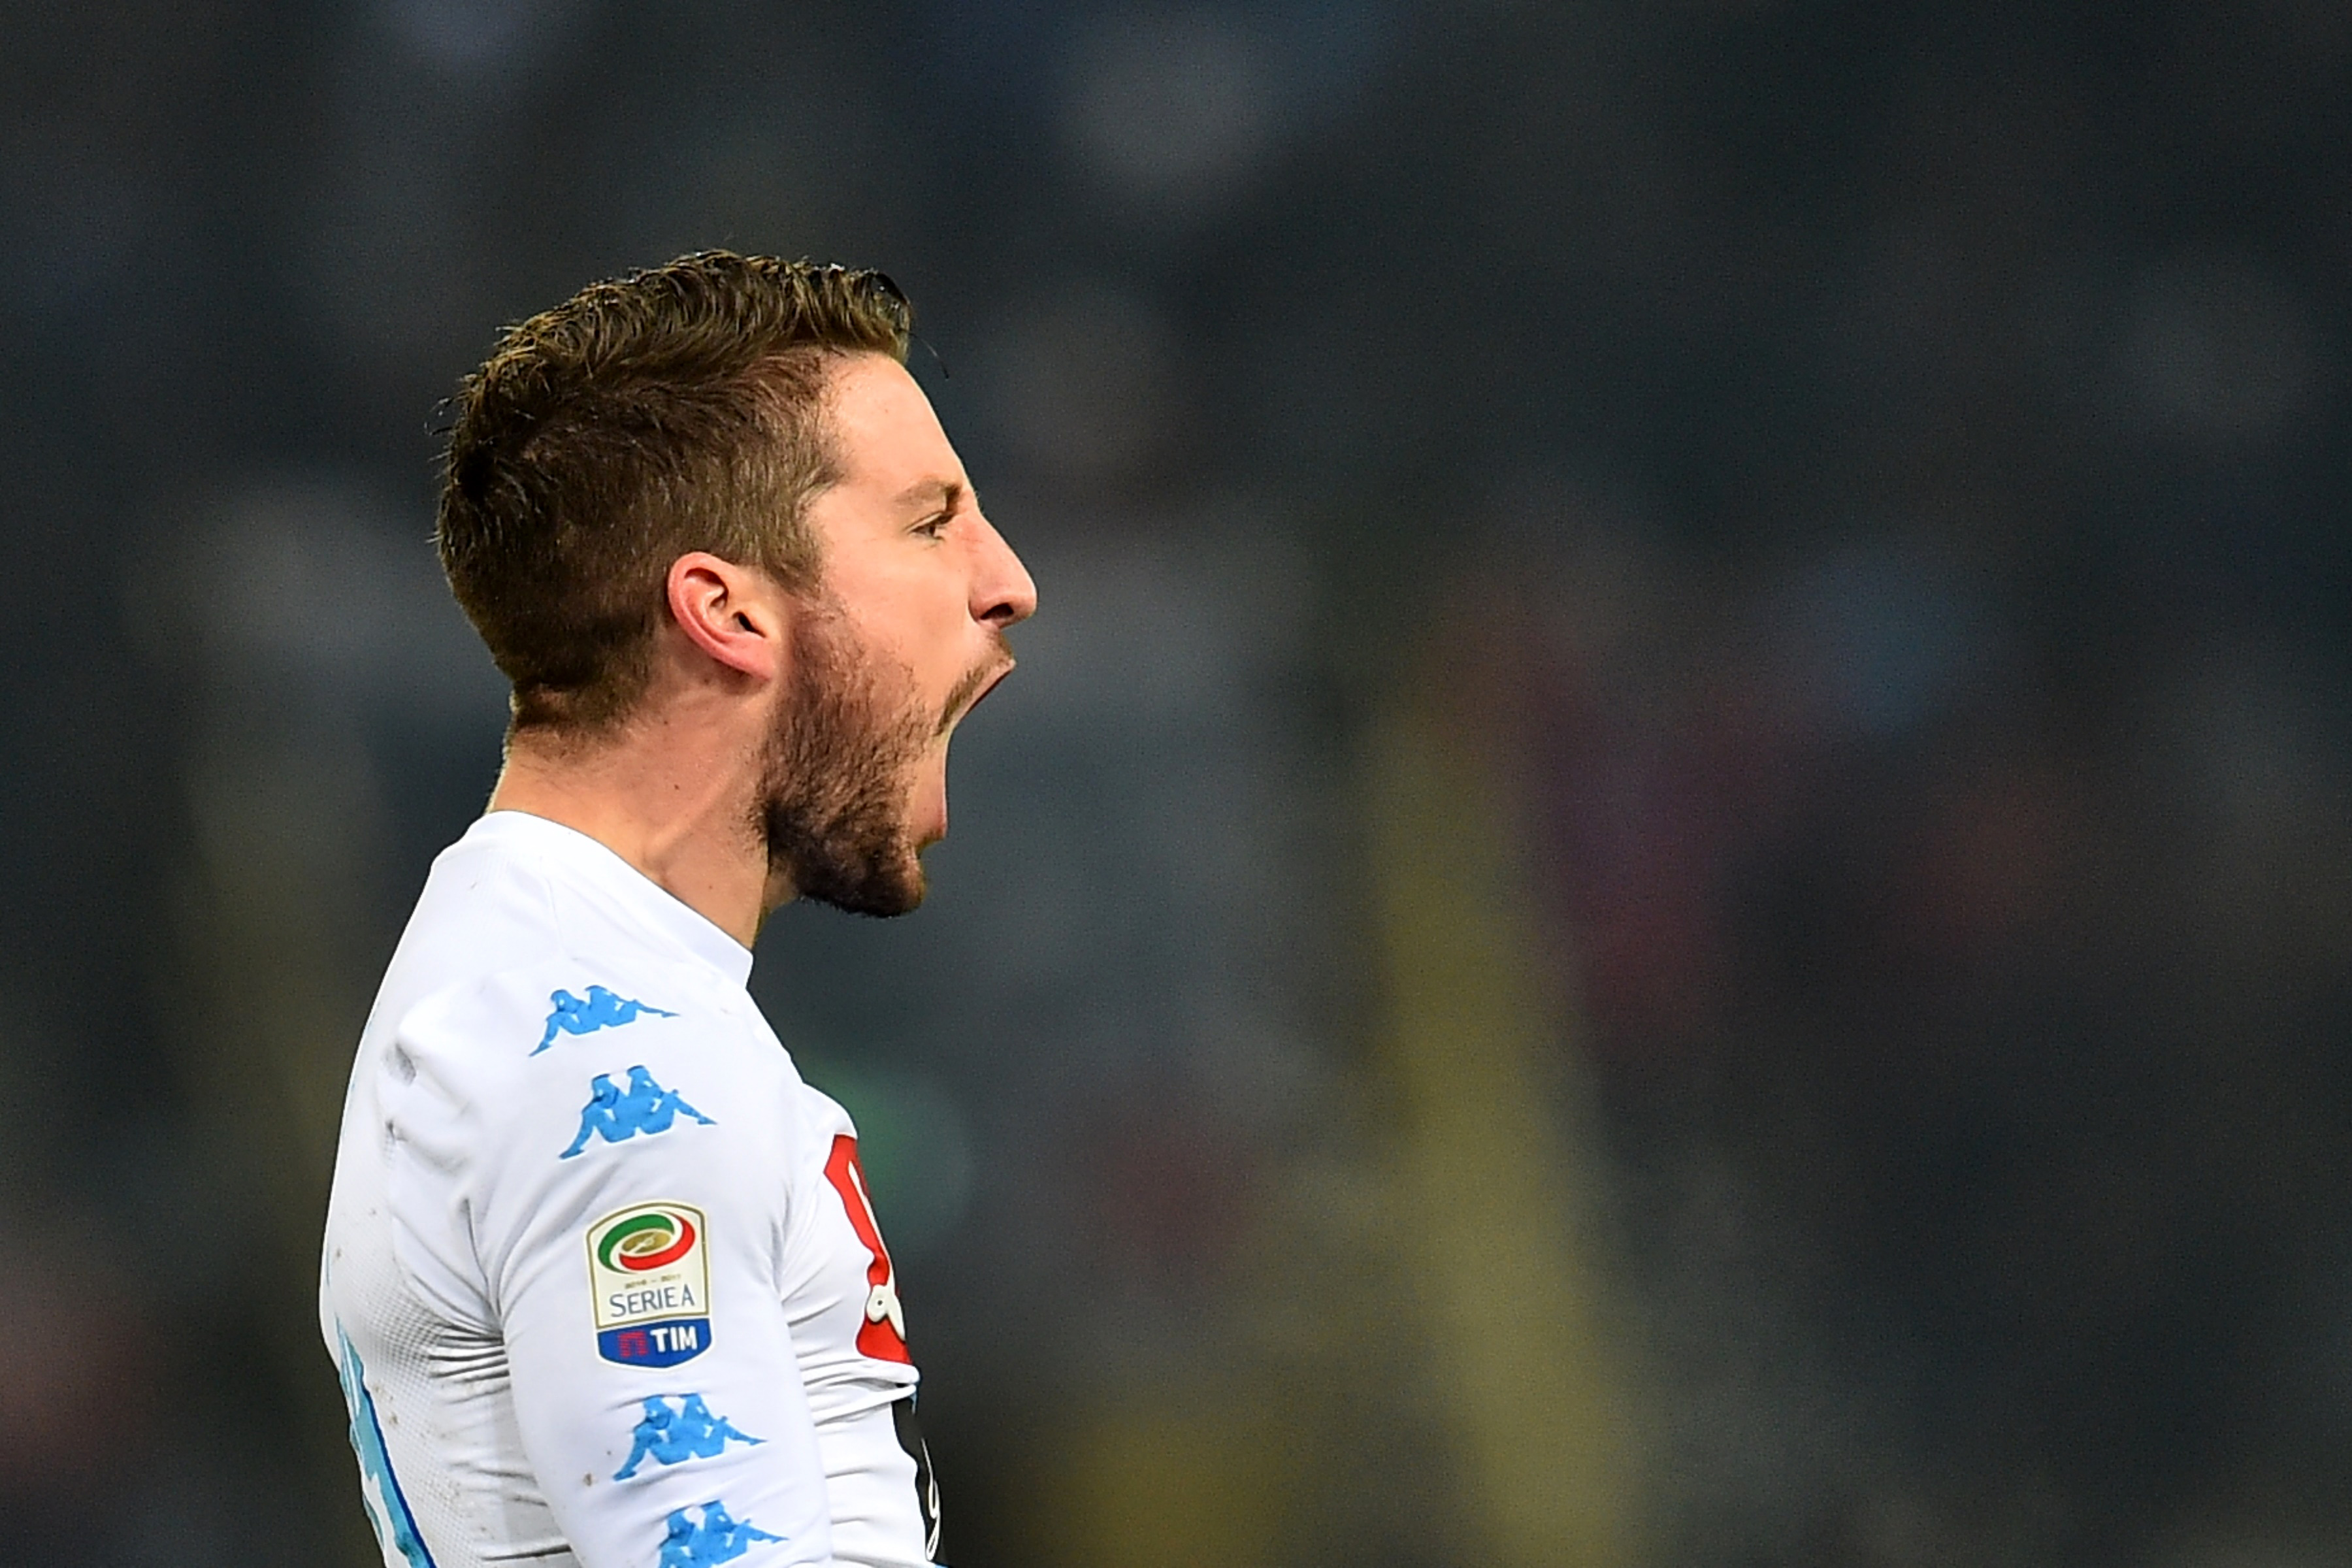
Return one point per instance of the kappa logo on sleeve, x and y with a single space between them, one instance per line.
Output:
649 1278
717 1537
617 1114
601 1010
670 1436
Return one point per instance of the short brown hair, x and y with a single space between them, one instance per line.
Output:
678 408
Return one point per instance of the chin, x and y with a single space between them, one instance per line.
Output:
899 892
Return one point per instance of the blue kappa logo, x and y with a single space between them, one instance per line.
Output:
601 1010
616 1114
714 1538
670 1436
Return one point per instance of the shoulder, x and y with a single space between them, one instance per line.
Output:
549 1093
471 1070
533 1023
820 1115
531 1010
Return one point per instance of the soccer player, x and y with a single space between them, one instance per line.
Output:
601 1274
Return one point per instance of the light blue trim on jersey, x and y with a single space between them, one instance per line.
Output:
394 1522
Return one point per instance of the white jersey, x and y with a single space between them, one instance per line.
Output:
600 1273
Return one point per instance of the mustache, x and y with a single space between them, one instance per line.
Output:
969 690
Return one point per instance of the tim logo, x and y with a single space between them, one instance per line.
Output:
883 1335
657 1345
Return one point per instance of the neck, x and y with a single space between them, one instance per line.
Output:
676 806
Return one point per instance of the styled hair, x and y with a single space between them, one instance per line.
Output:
676 409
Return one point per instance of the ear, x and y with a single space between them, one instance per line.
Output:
731 612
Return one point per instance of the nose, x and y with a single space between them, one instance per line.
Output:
1002 593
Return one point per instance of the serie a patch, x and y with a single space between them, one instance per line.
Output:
649 1276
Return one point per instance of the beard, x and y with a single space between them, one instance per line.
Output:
832 793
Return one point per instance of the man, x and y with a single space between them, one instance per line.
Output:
601 1276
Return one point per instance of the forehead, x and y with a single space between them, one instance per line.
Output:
884 434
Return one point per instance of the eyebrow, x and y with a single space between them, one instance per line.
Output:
949 493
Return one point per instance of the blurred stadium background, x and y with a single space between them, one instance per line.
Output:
1670 881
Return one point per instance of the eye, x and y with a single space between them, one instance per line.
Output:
932 527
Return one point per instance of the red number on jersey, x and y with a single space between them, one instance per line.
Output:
883 1335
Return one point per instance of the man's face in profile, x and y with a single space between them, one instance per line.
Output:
904 637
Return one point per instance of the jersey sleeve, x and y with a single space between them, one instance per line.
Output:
627 1215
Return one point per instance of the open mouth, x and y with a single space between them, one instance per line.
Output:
970 692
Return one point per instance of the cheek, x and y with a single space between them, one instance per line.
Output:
934 650
915 622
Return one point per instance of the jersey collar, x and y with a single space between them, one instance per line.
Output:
592 862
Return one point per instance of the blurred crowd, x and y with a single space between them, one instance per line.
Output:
1669 880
